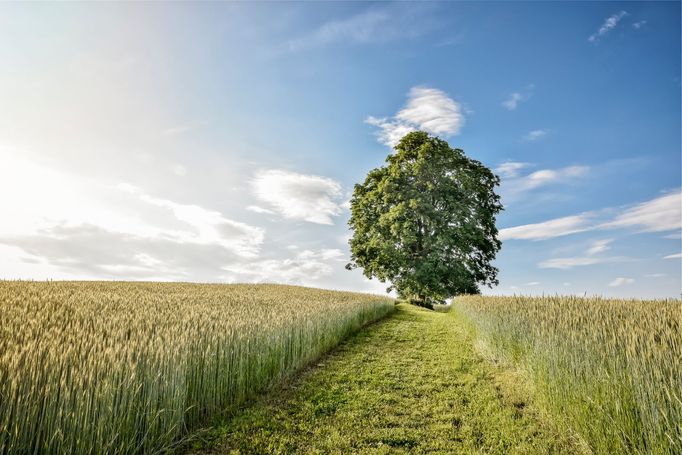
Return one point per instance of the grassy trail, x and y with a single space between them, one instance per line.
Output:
412 383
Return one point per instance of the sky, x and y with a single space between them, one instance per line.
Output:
220 142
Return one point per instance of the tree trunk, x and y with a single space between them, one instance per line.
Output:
422 301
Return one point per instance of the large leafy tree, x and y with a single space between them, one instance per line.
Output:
426 221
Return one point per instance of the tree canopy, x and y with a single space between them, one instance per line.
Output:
425 221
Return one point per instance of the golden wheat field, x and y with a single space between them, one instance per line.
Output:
116 367
610 370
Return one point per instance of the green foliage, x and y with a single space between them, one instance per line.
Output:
426 222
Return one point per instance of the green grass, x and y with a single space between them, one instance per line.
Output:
607 369
413 383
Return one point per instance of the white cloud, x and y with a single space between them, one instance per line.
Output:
599 246
179 170
79 227
620 281
638 24
673 256
569 263
207 227
356 29
305 267
298 196
86 250
548 229
546 176
657 215
391 131
514 184
535 135
608 25
259 209
376 25
590 258
432 110
655 275
516 98
332 254
532 283
512 102
427 109
510 169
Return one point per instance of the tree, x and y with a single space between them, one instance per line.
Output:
426 222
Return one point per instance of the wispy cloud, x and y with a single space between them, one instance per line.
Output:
548 229
510 169
259 209
375 25
673 256
298 196
657 215
590 257
207 227
164 240
83 227
535 135
356 29
552 175
427 109
304 267
599 246
513 101
620 281
516 98
638 24
391 131
569 263
609 24
514 184
661 214
518 181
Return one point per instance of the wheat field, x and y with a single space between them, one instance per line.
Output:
116 367
610 370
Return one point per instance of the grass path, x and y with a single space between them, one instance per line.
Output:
409 384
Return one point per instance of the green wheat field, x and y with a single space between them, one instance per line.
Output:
118 367
94 367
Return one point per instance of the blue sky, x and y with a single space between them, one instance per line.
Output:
221 142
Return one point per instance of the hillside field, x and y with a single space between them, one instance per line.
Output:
122 367
116 367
